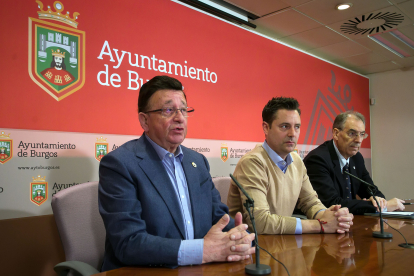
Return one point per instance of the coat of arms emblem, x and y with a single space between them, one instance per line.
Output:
56 51
224 151
38 190
6 148
101 148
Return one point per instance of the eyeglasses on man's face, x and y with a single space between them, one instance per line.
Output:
168 112
354 134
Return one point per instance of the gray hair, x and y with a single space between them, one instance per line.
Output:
340 120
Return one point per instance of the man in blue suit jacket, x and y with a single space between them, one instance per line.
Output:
156 197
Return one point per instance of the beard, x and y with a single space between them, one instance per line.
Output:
58 65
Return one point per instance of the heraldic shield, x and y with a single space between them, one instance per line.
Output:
56 51
6 148
224 151
38 190
101 149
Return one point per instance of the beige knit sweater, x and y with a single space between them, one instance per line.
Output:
275 194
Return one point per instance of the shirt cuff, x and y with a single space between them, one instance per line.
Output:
190 252
298 229
383 210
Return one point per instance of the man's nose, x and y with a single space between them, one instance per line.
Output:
358 138
291 132
178 115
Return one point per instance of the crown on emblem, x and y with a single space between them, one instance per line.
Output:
58 14
58 53
39 179
223 145
4 135
101 139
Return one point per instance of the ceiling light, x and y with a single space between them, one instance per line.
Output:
389 45
344 6
223 10
397 34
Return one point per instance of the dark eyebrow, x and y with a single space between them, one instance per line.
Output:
356 130
170 101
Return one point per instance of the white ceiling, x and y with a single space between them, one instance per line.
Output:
314 26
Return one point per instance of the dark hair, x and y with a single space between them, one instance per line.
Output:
340 120
155 84
272 106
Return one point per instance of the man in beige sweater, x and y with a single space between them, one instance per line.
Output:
275 177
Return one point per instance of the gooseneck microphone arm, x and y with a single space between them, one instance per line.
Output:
376 234
363 181
253 269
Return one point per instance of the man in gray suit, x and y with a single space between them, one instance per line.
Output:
156 197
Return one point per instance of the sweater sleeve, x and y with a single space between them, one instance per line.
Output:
308 201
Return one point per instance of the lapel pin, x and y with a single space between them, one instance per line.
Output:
194 164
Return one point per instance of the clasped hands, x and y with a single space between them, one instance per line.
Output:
338 219
234 245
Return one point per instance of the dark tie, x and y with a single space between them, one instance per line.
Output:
347 178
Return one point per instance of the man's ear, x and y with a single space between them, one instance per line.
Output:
265 127
143 120
335 134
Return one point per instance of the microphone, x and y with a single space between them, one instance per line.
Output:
242 189
253 269
366 183
375 234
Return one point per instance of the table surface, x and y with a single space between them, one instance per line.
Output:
357 253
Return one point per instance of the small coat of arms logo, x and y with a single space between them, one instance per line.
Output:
224 151
101 148
6 148
38 190
56 52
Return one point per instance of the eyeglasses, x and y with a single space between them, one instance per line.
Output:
353 134
167 112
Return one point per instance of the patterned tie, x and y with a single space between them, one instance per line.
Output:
348 182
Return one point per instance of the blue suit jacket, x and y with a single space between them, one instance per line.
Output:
325 175
140 209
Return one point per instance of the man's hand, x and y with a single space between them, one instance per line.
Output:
338 219
382 202
238 219
234 245
395 204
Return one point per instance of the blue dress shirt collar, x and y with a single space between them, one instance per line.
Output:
282 164
161 152
342 160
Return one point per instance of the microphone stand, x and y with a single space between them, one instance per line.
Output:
253 269
381 234
375 234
